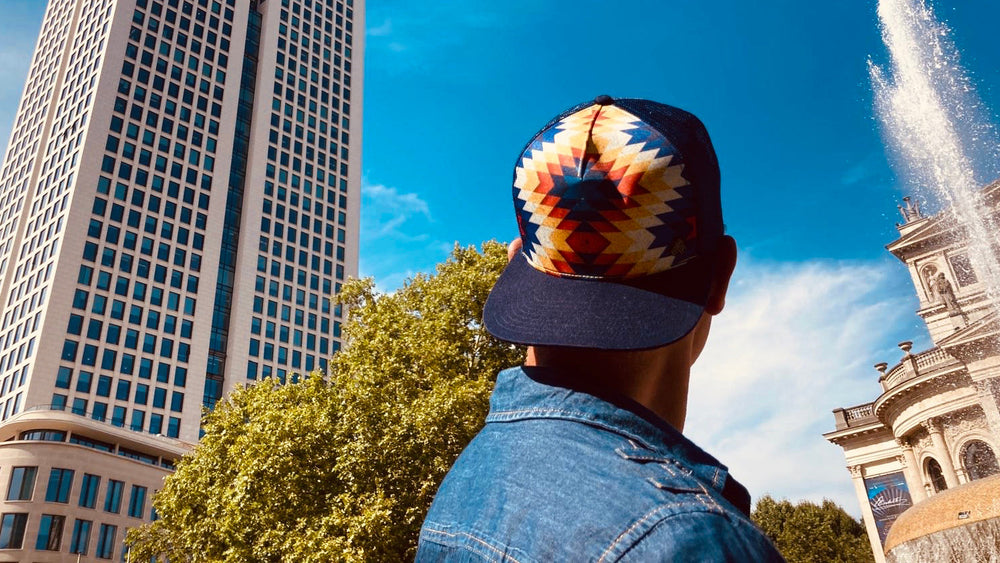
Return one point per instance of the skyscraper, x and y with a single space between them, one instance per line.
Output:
178 202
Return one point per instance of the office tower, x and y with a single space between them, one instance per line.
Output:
178 202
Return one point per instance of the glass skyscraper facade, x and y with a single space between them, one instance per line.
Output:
178 203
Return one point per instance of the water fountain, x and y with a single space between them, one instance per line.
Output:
944 146
931 116
961 524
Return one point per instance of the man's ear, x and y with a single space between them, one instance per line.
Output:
513 248
725 263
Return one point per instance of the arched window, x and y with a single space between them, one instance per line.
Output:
935 474
979 460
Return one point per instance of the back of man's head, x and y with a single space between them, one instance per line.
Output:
618 207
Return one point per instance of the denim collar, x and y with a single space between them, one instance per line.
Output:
534 392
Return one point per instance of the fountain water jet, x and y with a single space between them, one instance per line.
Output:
933 119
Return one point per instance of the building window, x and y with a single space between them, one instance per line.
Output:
100 411
64 377
88 490
964 273
138 420
58 402
173 427
60 482
44 435
103 386
113 498
22 483
935 475
12 530
118 416
80 406
124 388
50 530
155 423
81 537
106 541
979 460
137 501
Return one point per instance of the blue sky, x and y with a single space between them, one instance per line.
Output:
454 89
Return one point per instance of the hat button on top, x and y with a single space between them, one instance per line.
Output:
604 100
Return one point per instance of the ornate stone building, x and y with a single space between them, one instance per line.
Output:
936 424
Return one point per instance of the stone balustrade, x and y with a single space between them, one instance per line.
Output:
917 364
854 416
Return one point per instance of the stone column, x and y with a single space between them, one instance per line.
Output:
985 374
911 472
933 427
989 399
857 475
962 477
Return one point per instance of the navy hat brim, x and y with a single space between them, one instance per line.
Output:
529 306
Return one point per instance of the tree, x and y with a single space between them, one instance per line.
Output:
343 467
810 533
256 484
414 385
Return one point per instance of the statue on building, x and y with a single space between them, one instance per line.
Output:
910 210
944 291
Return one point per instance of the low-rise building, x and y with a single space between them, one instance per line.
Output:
73 484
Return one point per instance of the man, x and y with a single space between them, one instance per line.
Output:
621 263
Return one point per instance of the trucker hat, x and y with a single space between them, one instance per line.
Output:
617 204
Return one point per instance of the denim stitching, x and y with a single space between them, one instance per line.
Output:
577 416
709 502
633 457
635 525
429 531
521 412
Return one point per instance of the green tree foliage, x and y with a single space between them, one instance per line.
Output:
343 468
810 533
413 385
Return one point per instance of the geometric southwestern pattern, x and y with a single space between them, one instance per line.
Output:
600 194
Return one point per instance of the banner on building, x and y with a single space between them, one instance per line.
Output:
888 497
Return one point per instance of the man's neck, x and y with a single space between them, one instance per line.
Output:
656 379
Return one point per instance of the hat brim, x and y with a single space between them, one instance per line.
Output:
528 306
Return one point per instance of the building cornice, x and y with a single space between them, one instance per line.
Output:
847 434
47 419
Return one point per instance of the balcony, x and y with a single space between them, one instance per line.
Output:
853 417
915 365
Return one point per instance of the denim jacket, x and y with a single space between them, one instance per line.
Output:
559 474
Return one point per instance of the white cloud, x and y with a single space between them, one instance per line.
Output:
795 342
866 171
382 30
396 236
384 210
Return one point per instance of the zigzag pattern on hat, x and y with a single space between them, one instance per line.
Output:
600 194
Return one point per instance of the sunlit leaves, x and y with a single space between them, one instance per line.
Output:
343 467
810 533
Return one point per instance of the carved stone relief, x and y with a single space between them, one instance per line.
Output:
957 425
921 441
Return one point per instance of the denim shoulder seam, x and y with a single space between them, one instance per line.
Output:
461 539
752 541
643 525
